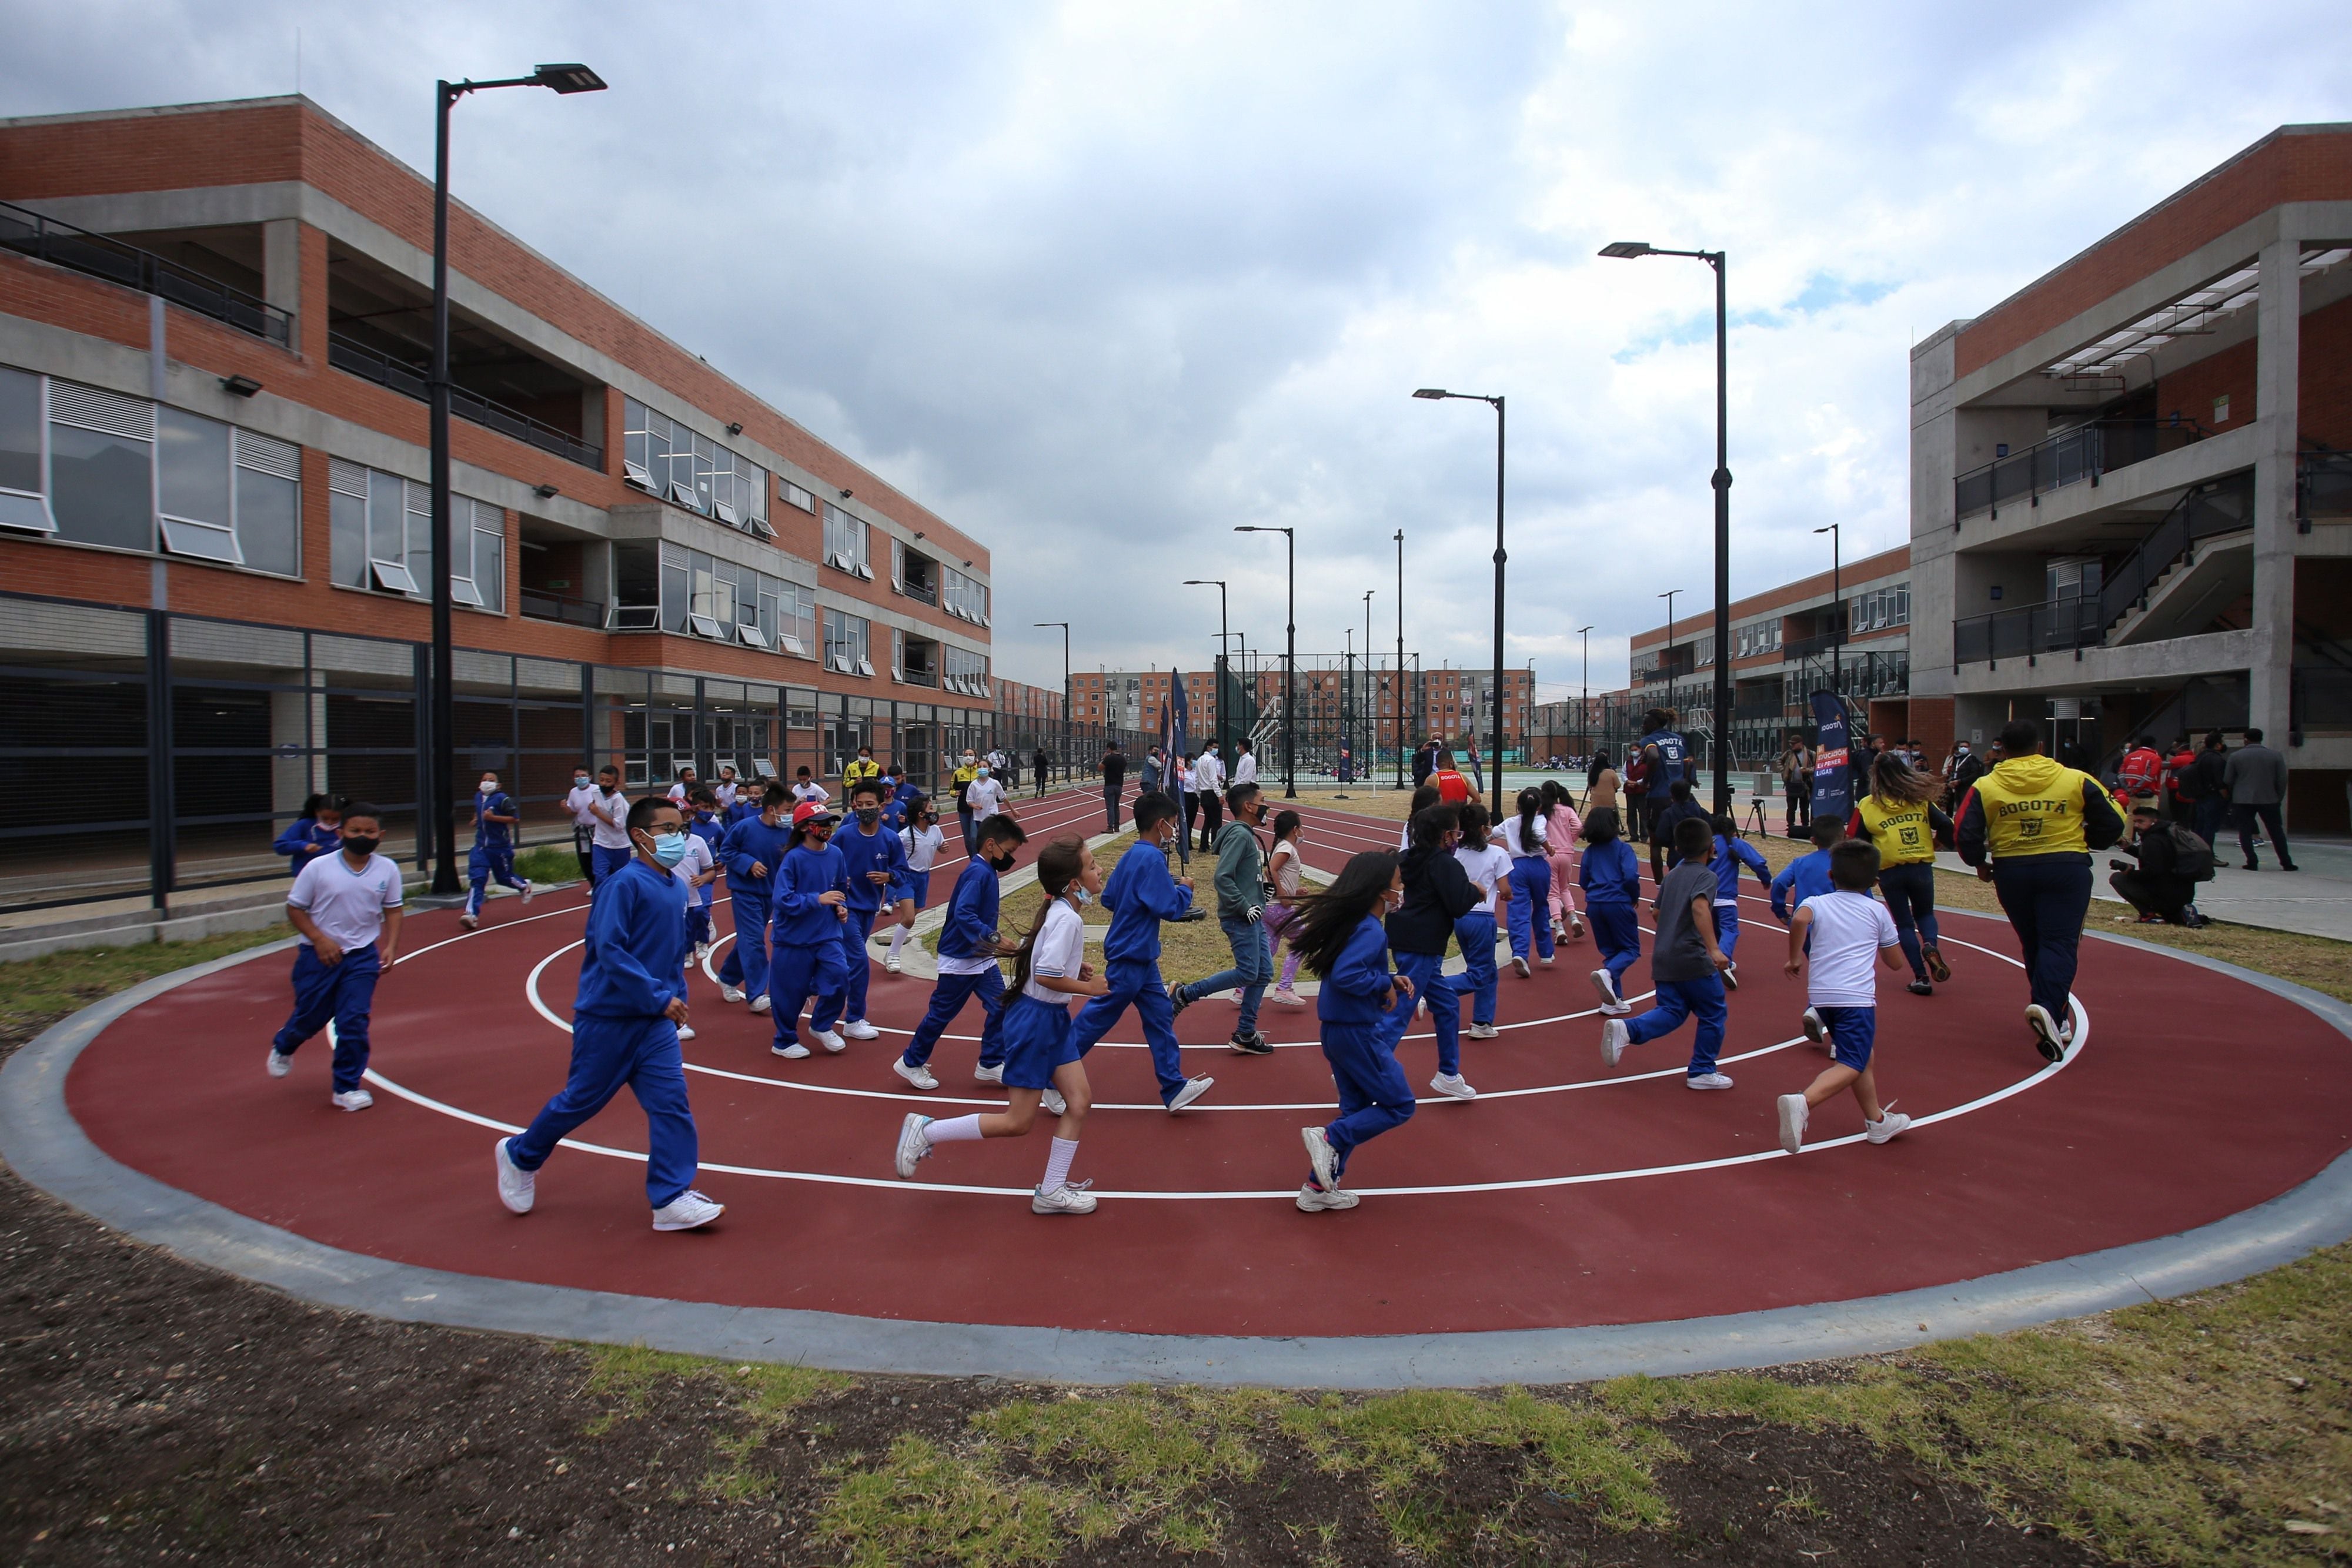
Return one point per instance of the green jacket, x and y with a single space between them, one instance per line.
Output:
1241 870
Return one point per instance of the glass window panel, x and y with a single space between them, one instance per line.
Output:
268 522
677 596
636 573
387 518
192 457
752 489
347 523
102 487
489 561
20 431
206 541
419 556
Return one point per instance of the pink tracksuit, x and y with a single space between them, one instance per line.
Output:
1562 825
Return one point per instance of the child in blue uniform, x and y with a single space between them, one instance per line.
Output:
346 906
808 908
1341 934
1437 893
1039 1052
625 1027
1610 877
1139 895
1807 876
968 951
750 854
492 857
702 823
1526 838
1731 852
920 838
873 857
312 834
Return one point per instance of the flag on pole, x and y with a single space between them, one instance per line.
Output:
1832 784
1175 721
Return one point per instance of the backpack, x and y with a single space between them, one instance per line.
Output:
2192 857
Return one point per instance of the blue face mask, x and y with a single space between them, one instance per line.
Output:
669 848
1081 897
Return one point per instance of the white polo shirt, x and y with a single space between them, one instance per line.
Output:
347 905
610 834
1060 951
1849 928
697 861
986 797
577 803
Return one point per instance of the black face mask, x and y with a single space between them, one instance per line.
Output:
360 846
868 815
1002 862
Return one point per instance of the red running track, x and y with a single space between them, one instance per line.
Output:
1567 1194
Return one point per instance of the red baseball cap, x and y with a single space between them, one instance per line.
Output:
809 811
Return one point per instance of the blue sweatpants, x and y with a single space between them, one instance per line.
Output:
798 972
1726 928
1475 932
698 923
948 998
746 964
608 1053
1373 1094
1253 969
1910 892
1679 999
856 967
604 861
1135 983
342 992
1617 932
1531 909
486 864
1427 973
2046 898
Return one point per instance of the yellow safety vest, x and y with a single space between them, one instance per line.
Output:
1902 833
2033 806
860 769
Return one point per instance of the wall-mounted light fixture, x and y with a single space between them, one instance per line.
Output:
736 428
845 491
239 386
544 492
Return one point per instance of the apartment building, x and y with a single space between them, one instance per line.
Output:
216 530
1033 706
1132 699
2131 499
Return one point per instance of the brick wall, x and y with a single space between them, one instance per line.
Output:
2324 396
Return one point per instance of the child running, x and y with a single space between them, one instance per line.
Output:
920 838
1731 851
312 834
1844 929
625 1027
809 910
1488 866
701 866
346 908
873 856
1897 820
1612 879
752 851
1437 893
1039 1054
1139 895
493 856
1807 876
1283 867
1347 947
1563 827
1686 969
968 950
1424 796
1525 839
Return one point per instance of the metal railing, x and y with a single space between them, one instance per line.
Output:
2205 511
2059 627
542 605
2070 457
28 232
357 358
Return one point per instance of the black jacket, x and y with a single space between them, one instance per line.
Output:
1437 893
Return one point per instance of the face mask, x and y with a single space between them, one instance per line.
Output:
1080 896
580 780
981 773
1002 862
669 848
362 847
489 786
868 815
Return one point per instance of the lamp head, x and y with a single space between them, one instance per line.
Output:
1432 393
1626 249
1831 529
567 78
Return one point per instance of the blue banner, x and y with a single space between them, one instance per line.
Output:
1832 782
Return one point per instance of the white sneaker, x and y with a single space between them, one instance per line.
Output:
731 993
354 1100
529 893
1194 1089
914 1144
1321 1157
761 1004
1051 1099
684 1032
686 1211
891 964
861 1029
832 1042
1482 1031
517 1187
469 920
1316 1200
989 1074
1286 997
1708 1080
1614 1038
1544 962
281 1064
702 952
795 1051
1451 1086
1520 967
1731 979
1607 987
1886 1127
1794 1115
1815 1029
1421 1007
920 1077
1072 1197
2047 1040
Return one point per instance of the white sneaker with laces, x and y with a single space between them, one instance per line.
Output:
795 1051
517 1187
1482 1031
1607 986
1614 1038
702 952
890 964
1321 1157
354 1100
1313 1199
1071 1198
1544 962
1194 1089
920 1077
1451 1086
731 993
469 920
529 893
832 1042
1731 979
1708 1080
861 1029
1054 1106
1286 997
1520 967
281 1064
2048 1038
1887 1125
914 1144
684 1032
1794 1115
1815 1029
985 1074
761 1004
686 1211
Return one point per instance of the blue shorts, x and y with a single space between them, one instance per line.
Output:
910 884
1038 1039
1853 1032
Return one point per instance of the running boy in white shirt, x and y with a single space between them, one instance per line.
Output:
347 908
922 837
1847 927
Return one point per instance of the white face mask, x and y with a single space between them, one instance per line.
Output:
489 786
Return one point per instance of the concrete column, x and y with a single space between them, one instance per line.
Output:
2278 342
290 777
281 263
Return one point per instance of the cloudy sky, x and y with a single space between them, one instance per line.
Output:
1100 281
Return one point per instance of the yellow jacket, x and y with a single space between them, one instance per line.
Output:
2030 806
1906 835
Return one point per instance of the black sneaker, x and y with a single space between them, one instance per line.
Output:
1250 1044
1177 1000
1922 988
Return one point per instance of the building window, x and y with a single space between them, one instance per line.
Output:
845 542
964 671
380 531
963 596
1879 609
687 468
796 497
845 650
666 587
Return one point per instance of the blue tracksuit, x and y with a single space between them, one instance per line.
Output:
304 841
633 969
1530 912
342 992
1360 1043
1139 895
1679 999
1610 876
966 931
746 807
493 856
1799 880
1730 855
884 851
807 937
706 827
748 843
1475 932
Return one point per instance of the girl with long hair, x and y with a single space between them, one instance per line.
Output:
1488 866
1341 933
1525 839
1563 827
1601 784
1282 869
1610 876
1424 796
1897 816
1049 970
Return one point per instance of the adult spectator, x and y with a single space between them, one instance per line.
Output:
1424 762
2162 885
2141 770
2029 828
2178 760
1044 763
1114 772
2255 781
1244 762
860 769
1797 784
1209 779
2205 780
1152 763
1452 788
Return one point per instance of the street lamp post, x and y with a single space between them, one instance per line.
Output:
1584 706
1627 249
1437 394
1290 656
441 773
1667 654
1224 745
1371 720
1400 664
1837 612
1066 688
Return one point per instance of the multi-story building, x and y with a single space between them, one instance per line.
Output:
1340 704
1031 706
2131 504
216 530
1132 699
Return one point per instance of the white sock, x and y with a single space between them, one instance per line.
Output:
898 940
1057 1165
955 1130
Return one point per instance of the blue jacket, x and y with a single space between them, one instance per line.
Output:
708 830
1609 874
1139 895
859 854
1807 875
635 966
805 876
746 807
1730 855
305 841
748 843
971 919
486 833
894 811
1358 983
